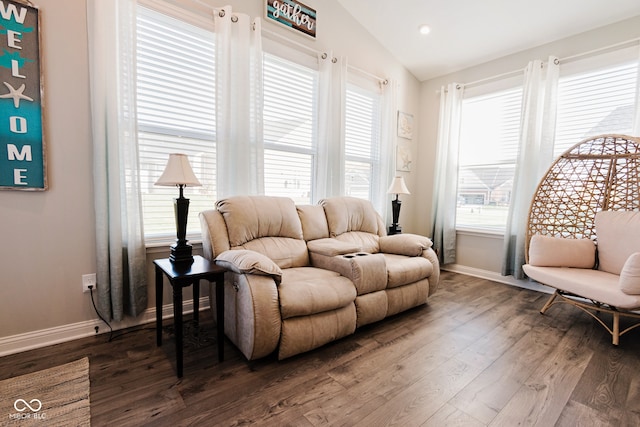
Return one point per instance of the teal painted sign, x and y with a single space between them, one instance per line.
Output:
293 14
22 148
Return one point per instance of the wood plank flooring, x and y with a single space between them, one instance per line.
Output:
479 354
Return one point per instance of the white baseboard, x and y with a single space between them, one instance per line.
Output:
45 337
497 277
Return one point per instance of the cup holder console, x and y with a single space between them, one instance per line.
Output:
355 255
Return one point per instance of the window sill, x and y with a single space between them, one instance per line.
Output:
494 234
158 245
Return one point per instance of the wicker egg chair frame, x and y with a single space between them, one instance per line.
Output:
599 173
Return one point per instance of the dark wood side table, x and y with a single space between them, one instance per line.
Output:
183 275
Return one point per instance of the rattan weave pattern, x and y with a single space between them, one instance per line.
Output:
599 173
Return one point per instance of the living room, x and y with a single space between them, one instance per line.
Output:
52 233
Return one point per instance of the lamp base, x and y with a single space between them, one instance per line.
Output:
394 229
181 254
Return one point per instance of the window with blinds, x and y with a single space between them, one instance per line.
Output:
594 102
362 141
176 113
290 123
488 152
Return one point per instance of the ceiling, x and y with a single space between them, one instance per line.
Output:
465 33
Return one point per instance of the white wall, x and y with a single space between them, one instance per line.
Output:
48 237
476 250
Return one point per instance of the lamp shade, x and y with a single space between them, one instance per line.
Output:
178 172
398 186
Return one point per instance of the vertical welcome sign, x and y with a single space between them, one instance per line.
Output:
22 148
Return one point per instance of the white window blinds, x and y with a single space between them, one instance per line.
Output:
595 101
176 113
290 128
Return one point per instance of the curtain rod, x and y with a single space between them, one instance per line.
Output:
496 77
566 59
367 74
630 42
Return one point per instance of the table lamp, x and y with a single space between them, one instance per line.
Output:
397 187
178 172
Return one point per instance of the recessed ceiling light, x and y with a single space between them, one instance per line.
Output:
424 29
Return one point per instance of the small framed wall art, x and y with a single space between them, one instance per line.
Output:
405 125
403 156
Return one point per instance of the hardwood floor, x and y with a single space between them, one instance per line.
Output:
478 354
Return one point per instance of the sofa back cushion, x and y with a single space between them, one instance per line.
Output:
268 225
353 220
618 234
314 222
550 251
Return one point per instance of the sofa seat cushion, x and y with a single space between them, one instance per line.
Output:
402 270
592 284
309 290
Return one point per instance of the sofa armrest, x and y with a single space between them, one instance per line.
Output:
404 244
243 261
252 313
434 279
368 272
331 247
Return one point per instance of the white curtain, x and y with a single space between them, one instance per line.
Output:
239 94
535 154
332 73
388 109
121 254
446 174
636 119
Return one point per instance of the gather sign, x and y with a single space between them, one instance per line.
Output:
22 163
292 14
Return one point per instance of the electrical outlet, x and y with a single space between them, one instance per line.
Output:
88 280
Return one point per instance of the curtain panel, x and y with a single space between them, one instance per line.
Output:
120 248
388 137
446 174
636 116
239 94
330 161
535 154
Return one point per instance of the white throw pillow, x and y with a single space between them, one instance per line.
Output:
548 251
618 237
630 275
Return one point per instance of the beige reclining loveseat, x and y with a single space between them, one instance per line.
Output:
302 276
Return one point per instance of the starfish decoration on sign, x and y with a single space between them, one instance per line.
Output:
16 94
